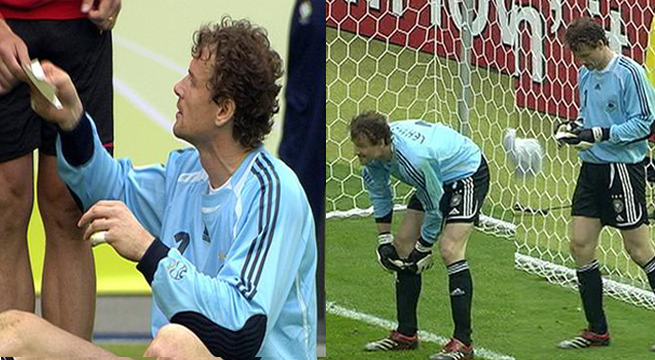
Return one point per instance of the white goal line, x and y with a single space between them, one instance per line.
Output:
333 308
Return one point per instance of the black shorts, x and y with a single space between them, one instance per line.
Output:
462 199
615 193
85 53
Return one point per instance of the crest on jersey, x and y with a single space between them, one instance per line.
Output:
456 200
611 106
305 12
176 269
618 206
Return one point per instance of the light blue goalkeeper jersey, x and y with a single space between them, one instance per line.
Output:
425 156
620 98
245 249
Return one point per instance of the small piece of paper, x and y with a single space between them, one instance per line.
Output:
37 77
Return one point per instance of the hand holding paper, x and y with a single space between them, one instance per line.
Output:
53 95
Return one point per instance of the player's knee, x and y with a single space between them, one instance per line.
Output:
58 204
15 205
404 245
15 325
451 249
580 247
640 253
169 340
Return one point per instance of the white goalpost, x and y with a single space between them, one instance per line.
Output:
480 66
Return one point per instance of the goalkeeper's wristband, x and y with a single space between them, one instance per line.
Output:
386 219
77 144
385 238
600 134
422 245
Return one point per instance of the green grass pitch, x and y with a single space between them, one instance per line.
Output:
514 313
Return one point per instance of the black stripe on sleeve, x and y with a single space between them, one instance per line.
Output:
258 250
229 344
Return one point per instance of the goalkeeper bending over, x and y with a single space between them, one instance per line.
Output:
223 233
451 180
616 103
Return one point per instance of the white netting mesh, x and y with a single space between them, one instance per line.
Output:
407 59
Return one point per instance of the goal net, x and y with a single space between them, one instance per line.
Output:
481 67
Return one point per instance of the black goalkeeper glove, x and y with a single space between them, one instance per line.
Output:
387 254
579 137
420 259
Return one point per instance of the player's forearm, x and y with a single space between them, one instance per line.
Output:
634 129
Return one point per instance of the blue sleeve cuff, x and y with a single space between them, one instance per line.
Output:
385 219
77 144
150 260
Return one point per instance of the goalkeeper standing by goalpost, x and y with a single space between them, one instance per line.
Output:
616 103
451 179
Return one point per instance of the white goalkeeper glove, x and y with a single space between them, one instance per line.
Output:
420 259
387 255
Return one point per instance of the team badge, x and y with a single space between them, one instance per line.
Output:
611 106
176 269
455 200
618 206
305 11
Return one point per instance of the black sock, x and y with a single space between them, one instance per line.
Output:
461 295
408 289
649 268
591 291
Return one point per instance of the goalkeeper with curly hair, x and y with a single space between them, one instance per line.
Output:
451 179
615 119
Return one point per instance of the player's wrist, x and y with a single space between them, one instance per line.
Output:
71 123
4 27
603 133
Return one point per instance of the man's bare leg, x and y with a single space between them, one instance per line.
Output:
16 197
408 233
69 279
177 341
25 334
637 243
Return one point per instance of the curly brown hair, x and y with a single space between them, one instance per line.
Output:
584 32
371 125
245 70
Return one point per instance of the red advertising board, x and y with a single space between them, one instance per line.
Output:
522 38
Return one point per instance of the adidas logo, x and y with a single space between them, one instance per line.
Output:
454 211
597 87
457 292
